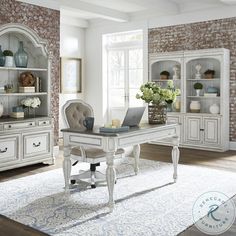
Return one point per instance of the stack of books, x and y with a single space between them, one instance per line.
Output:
17 112
210 94
27 89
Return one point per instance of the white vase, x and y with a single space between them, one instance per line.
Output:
195 106
1 109
9 61
214 109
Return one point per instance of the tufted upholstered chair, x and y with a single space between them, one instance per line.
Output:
74 113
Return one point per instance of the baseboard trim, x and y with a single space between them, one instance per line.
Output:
56 151
232 146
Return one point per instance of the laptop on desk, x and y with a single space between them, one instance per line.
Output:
133 116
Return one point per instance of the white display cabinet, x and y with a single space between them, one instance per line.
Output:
25 141
201 130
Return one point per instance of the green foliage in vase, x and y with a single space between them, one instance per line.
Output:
8 53
198 86
151 92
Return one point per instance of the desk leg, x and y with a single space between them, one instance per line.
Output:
67 167
111 177
136 152
175 156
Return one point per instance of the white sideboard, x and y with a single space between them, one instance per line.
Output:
25 141
201 130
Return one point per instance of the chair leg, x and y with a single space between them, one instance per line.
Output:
93 185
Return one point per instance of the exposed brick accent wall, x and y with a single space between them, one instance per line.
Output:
46 23
209 34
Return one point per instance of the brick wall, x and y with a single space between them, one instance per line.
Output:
46 23
209 34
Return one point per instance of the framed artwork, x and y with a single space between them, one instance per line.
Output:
71 75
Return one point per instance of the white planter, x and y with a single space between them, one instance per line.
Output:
195 106
1 109
214 109
198 91
9 61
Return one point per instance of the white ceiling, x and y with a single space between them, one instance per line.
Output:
125 10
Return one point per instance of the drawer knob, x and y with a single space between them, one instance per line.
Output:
44 122
201 129
9 126
36 145
3 151
30 124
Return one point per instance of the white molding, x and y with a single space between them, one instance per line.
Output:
52 4
232 146
73 21
56 151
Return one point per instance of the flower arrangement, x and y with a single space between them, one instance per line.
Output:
154 94
31 102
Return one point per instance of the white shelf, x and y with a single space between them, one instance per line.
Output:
23 94
165 80
205 97
215 79
23 69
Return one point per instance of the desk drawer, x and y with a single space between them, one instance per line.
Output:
36 144
9 146
19 125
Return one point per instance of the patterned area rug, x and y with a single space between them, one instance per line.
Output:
146 204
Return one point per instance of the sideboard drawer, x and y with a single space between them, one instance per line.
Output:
9 149
19 125
36 144
44 122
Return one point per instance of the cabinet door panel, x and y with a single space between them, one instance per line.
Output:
211 130
192 129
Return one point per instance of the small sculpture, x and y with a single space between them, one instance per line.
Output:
164 75
198 69
209 74
26 79
176 70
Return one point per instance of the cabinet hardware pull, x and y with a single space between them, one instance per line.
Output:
36 145
30 124
9 126
201 129
44 122
3 151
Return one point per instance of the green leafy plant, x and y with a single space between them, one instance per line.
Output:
153 93
8 53
198 86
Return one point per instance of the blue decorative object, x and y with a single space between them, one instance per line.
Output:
17 109
21 57
212 90
2 57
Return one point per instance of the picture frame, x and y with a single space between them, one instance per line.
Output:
71 75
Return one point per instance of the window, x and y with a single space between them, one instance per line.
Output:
124 53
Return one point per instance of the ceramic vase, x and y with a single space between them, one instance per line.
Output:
21 57
2 57
198 68
1 109
9 62
198 91
195 106
214 109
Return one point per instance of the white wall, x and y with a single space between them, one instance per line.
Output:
72 44
93 68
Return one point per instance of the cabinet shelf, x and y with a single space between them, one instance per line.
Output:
205 97
23 94
162 80
23 69
215 79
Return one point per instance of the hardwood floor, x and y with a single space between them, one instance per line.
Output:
223 161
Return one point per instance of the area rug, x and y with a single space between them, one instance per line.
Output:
146 204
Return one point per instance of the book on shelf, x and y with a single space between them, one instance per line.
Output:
210 94
17 115
38 85
30 89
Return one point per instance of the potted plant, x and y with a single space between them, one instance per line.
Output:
30 104
198 87
9 60
157 98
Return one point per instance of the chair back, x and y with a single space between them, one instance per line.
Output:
75 111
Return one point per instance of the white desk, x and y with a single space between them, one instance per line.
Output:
111 142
